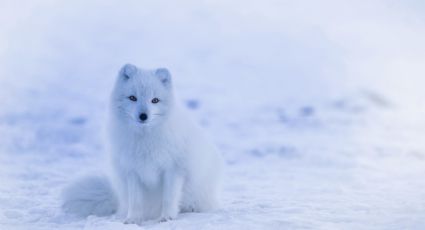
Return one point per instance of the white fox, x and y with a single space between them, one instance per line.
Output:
161 162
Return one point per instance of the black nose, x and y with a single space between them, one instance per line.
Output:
143 116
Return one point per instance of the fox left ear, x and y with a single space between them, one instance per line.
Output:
164 76
127 71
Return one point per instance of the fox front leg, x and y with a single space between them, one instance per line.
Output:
135 200
171 196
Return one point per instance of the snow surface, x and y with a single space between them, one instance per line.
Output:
317 106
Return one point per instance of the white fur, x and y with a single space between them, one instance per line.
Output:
164 165
91 195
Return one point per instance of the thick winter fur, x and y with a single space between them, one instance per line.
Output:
91 195
161 162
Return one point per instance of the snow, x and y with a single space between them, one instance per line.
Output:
316 105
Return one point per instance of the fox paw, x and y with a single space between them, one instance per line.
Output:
133 220
165 219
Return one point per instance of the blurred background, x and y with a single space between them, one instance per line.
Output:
304 49
316 105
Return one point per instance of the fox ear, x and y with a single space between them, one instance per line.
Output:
127 71
164 76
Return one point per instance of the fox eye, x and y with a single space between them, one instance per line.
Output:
133 98
155 100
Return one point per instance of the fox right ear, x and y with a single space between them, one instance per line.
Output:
127 71
164 76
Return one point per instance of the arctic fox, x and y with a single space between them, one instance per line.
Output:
161 162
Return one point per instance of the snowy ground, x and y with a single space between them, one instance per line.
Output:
316 105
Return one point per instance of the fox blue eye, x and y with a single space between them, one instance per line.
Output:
155 100
133 98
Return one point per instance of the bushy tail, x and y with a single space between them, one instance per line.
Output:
90 196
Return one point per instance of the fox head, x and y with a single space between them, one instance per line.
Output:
141 97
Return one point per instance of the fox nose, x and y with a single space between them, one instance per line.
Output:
143 116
